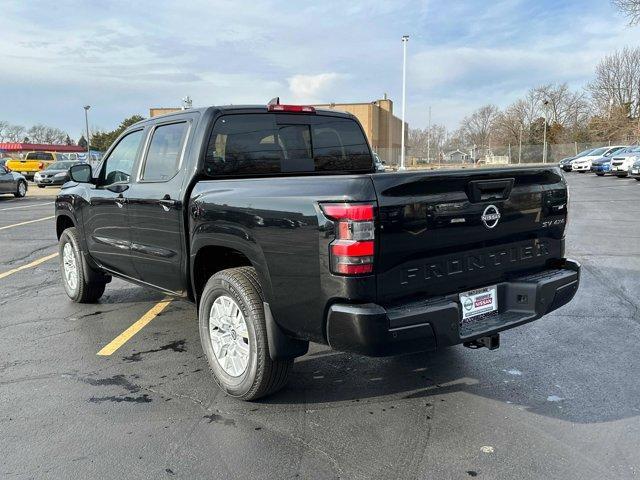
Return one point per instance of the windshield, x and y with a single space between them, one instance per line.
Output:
60 166
584 153
634 149
613 150
598 151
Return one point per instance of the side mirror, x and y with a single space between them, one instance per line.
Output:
118 187
80 173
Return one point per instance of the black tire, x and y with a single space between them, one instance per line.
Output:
637 179
600 174
21 189
262 376
41 186
84 291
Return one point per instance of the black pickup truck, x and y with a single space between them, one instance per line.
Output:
273 220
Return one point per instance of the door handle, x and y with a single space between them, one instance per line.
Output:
167 203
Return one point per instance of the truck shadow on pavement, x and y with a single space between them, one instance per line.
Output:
545 387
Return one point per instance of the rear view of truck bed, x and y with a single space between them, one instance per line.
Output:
459 256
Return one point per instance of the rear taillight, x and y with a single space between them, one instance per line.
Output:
352 251
40 166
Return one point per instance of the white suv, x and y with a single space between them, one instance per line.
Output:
583 164
622 161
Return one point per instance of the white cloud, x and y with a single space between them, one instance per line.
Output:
313 88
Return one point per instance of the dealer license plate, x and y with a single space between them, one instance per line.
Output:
479 302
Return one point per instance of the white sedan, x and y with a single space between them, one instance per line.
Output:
622 161
583 164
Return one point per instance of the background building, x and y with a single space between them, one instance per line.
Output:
382 128
19 148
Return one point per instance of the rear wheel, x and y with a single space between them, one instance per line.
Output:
21 189
40 186
77 286
233 333
600 174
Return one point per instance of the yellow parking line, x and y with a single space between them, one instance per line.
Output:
25 223
125 336
35 263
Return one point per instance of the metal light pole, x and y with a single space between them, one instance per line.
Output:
429 138
544 135
520 146
405 39
86 123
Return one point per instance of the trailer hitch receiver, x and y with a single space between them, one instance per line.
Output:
491 342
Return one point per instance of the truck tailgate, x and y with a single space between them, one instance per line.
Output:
449 231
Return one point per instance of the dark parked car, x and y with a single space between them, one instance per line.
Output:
55 174
12 182
566 163
601 166
273 220
635 170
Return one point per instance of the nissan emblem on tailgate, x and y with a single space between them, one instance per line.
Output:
490 216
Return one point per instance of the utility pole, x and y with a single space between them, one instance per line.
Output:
544 135
520 147
429 137
86 123
405 40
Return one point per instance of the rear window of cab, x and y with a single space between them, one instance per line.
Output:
275 143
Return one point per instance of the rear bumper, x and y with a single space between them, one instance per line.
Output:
373 330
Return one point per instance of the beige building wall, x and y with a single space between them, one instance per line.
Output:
154 112
382 128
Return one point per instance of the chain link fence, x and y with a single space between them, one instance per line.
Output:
490 155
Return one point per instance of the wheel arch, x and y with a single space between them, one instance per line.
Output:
209 258
63 222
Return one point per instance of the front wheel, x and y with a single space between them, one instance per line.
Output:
233 333
77 286
21 190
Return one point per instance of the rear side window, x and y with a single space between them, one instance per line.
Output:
268 144
165 149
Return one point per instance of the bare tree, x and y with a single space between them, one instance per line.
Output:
476 129
564 107
630 8
617 82
42 134
15 133
419 141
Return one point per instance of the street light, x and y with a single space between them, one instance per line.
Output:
405 39
520 146
86 123
429 137
544 135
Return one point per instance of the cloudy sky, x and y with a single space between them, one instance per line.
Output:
122 57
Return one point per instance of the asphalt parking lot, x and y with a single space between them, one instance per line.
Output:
559 399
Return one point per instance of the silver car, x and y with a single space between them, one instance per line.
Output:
12 182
